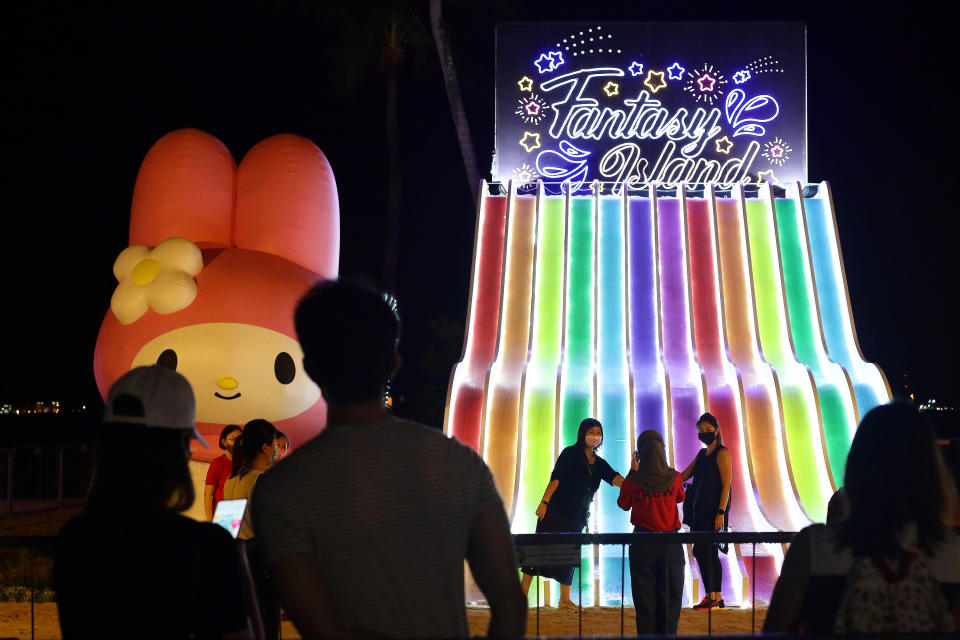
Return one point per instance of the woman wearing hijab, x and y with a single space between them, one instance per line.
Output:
566 501
651 492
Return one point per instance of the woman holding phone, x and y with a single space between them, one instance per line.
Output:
651 492
566 501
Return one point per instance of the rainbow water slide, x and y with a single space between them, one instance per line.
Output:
645 306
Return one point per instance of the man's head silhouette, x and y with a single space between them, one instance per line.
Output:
349 334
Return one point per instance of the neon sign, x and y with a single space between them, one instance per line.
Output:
637 102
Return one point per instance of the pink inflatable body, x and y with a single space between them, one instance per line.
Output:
219 255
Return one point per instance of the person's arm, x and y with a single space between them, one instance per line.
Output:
547 494
208 501
725 464
787 599
686 473
303 591
617 480
493 564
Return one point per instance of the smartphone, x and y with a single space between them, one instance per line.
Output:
229 515
636 456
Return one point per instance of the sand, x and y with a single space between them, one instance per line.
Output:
597 621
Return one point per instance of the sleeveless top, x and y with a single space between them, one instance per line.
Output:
706 491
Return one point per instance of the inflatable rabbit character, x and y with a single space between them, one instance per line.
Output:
219 255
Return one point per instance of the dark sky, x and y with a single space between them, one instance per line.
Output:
86 92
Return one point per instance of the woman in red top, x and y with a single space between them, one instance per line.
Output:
651 492
219 470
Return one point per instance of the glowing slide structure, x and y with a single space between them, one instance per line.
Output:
644 306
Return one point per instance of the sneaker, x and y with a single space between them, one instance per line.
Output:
709 603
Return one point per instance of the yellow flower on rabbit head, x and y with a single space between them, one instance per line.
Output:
160 278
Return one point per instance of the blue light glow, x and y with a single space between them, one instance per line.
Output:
675 71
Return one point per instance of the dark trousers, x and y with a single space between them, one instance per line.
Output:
656 578
709 562
267 599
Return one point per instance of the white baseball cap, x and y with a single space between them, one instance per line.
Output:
165 395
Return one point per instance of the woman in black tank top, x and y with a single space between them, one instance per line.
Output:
708 503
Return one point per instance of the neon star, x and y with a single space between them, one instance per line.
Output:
707 82
655 86
596 187
776 151
611 89
556 59
741 76
526 84
724 144
675 71
766 176
544 63
532 108
530 141
635 68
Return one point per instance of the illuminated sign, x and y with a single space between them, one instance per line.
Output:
640 102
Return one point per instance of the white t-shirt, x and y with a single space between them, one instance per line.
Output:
387 508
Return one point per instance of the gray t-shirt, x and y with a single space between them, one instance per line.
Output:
387 508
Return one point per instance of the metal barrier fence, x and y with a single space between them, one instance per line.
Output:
44 478
532 546
529 547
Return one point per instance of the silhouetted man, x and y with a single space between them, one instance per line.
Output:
366 526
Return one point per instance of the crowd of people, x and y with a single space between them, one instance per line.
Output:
364 530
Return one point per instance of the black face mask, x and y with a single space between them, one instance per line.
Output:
707 437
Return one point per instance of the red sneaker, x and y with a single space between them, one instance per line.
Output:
709 603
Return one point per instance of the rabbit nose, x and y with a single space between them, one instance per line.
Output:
227 383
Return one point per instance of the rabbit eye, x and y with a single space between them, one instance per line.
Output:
284 368
168 359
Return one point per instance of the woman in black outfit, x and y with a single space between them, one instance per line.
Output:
566 502
708 502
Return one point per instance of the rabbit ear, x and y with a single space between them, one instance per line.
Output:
287 204
185 188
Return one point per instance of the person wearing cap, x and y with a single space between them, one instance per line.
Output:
707 505
219 470
131 565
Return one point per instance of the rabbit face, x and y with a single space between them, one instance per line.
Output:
265 378
219 257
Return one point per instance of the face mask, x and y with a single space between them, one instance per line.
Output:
707 437
593 441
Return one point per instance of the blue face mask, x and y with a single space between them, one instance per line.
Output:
707 437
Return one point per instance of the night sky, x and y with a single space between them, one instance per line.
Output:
86 92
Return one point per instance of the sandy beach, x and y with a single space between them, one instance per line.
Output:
597 621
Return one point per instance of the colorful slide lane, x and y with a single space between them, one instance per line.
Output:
644 306
870 386
832 383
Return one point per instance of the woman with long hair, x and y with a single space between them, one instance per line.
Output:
254 450
566 501
900 500
219 469
651 492
708 504
131 564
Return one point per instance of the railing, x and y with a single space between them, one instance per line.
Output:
530 545
44 478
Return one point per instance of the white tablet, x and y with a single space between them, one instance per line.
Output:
229 515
